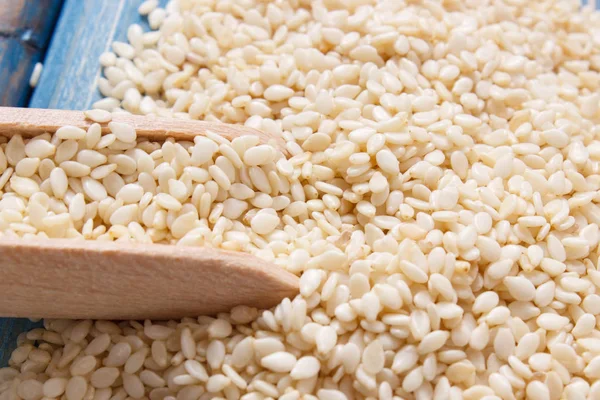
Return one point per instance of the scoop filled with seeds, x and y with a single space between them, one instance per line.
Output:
108 273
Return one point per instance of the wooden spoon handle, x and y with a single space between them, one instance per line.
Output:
60 278
34 121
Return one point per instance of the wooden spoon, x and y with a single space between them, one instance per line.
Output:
30 122
62 278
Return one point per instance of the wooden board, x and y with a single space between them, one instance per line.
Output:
25 30
85 29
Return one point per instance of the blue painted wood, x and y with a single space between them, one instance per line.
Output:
10 328
85 29
25 30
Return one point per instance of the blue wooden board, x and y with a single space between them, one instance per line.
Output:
25 30
85 29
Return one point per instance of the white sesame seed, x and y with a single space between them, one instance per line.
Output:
437 198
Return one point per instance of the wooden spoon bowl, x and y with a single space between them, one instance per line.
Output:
63 278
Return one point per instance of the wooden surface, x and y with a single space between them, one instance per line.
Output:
108 280
34 121
84 30
25 29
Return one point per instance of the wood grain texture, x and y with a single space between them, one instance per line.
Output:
108 280
25 30
32 121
